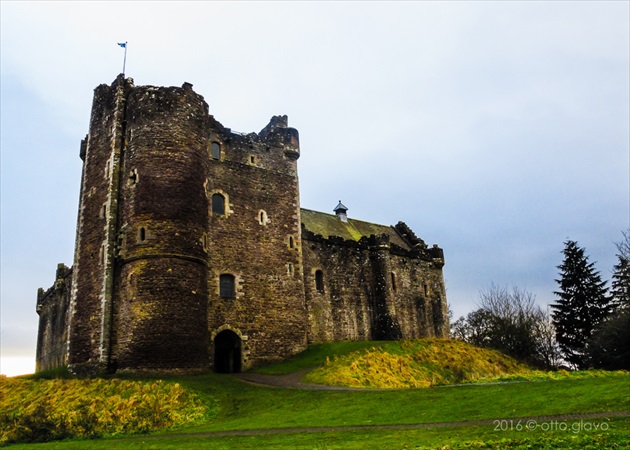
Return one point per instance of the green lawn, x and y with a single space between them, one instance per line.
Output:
249 407
253 416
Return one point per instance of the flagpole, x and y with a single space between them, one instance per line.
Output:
124 45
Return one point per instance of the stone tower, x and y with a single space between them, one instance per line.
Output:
177 214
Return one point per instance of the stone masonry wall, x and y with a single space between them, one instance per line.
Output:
161 282
52 308
352 305
257 241
92 287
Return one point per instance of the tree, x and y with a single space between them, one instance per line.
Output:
582 305
609 347
621 275
511 322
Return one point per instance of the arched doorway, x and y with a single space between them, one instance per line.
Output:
227 352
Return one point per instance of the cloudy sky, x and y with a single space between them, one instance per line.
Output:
497 130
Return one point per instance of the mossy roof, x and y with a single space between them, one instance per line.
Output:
328 225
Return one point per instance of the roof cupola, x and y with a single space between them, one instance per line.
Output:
341 212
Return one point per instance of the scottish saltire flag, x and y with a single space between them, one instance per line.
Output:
123 45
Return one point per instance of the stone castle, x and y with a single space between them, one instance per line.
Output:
193 253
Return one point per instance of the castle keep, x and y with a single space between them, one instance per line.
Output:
192 252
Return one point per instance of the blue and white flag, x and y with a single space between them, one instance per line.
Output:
123 45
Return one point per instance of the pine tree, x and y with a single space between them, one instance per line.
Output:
621 275
582 305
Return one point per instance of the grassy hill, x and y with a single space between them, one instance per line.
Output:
415 364
224 412
427 362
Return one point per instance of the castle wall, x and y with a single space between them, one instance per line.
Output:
257 241
372 291
420 297
161 282
92 288
53 307
341 310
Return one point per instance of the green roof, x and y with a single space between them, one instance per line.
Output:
328 225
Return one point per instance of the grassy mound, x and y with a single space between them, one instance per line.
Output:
44 410
421 363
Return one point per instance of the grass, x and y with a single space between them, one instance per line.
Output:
427 362
316 355
245 407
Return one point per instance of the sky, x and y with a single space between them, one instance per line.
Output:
497 130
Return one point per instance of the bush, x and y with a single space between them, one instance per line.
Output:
46 410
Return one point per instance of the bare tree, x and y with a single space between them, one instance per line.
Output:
512 322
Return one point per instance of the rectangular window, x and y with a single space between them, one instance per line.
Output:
226 285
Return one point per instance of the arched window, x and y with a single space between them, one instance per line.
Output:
215 150
226 285
319 281
218 205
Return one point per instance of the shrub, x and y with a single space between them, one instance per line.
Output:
45 410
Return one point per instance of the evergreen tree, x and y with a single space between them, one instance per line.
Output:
582 305
609 347
621 275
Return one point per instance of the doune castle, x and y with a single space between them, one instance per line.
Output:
193 253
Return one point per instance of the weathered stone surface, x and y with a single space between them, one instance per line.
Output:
192 251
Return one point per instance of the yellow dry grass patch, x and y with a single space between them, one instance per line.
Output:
39 410
415 364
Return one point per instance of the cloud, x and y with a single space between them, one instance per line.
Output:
495 129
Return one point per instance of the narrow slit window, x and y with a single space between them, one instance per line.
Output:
142 234
291 242
218 205
393 281
262 217
226 285
319 281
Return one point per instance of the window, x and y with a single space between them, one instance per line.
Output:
252 159
204 242
319 281
218 205
290 270
142 234
426 290
393 281
262 217
215 150
291 242
226 285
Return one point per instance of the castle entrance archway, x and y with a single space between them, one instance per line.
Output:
227 352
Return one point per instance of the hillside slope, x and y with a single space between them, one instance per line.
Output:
420 363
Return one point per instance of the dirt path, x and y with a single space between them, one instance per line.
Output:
524 422
289 381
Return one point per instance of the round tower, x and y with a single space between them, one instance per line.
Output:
161 306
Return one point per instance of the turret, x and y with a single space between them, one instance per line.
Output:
161 313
